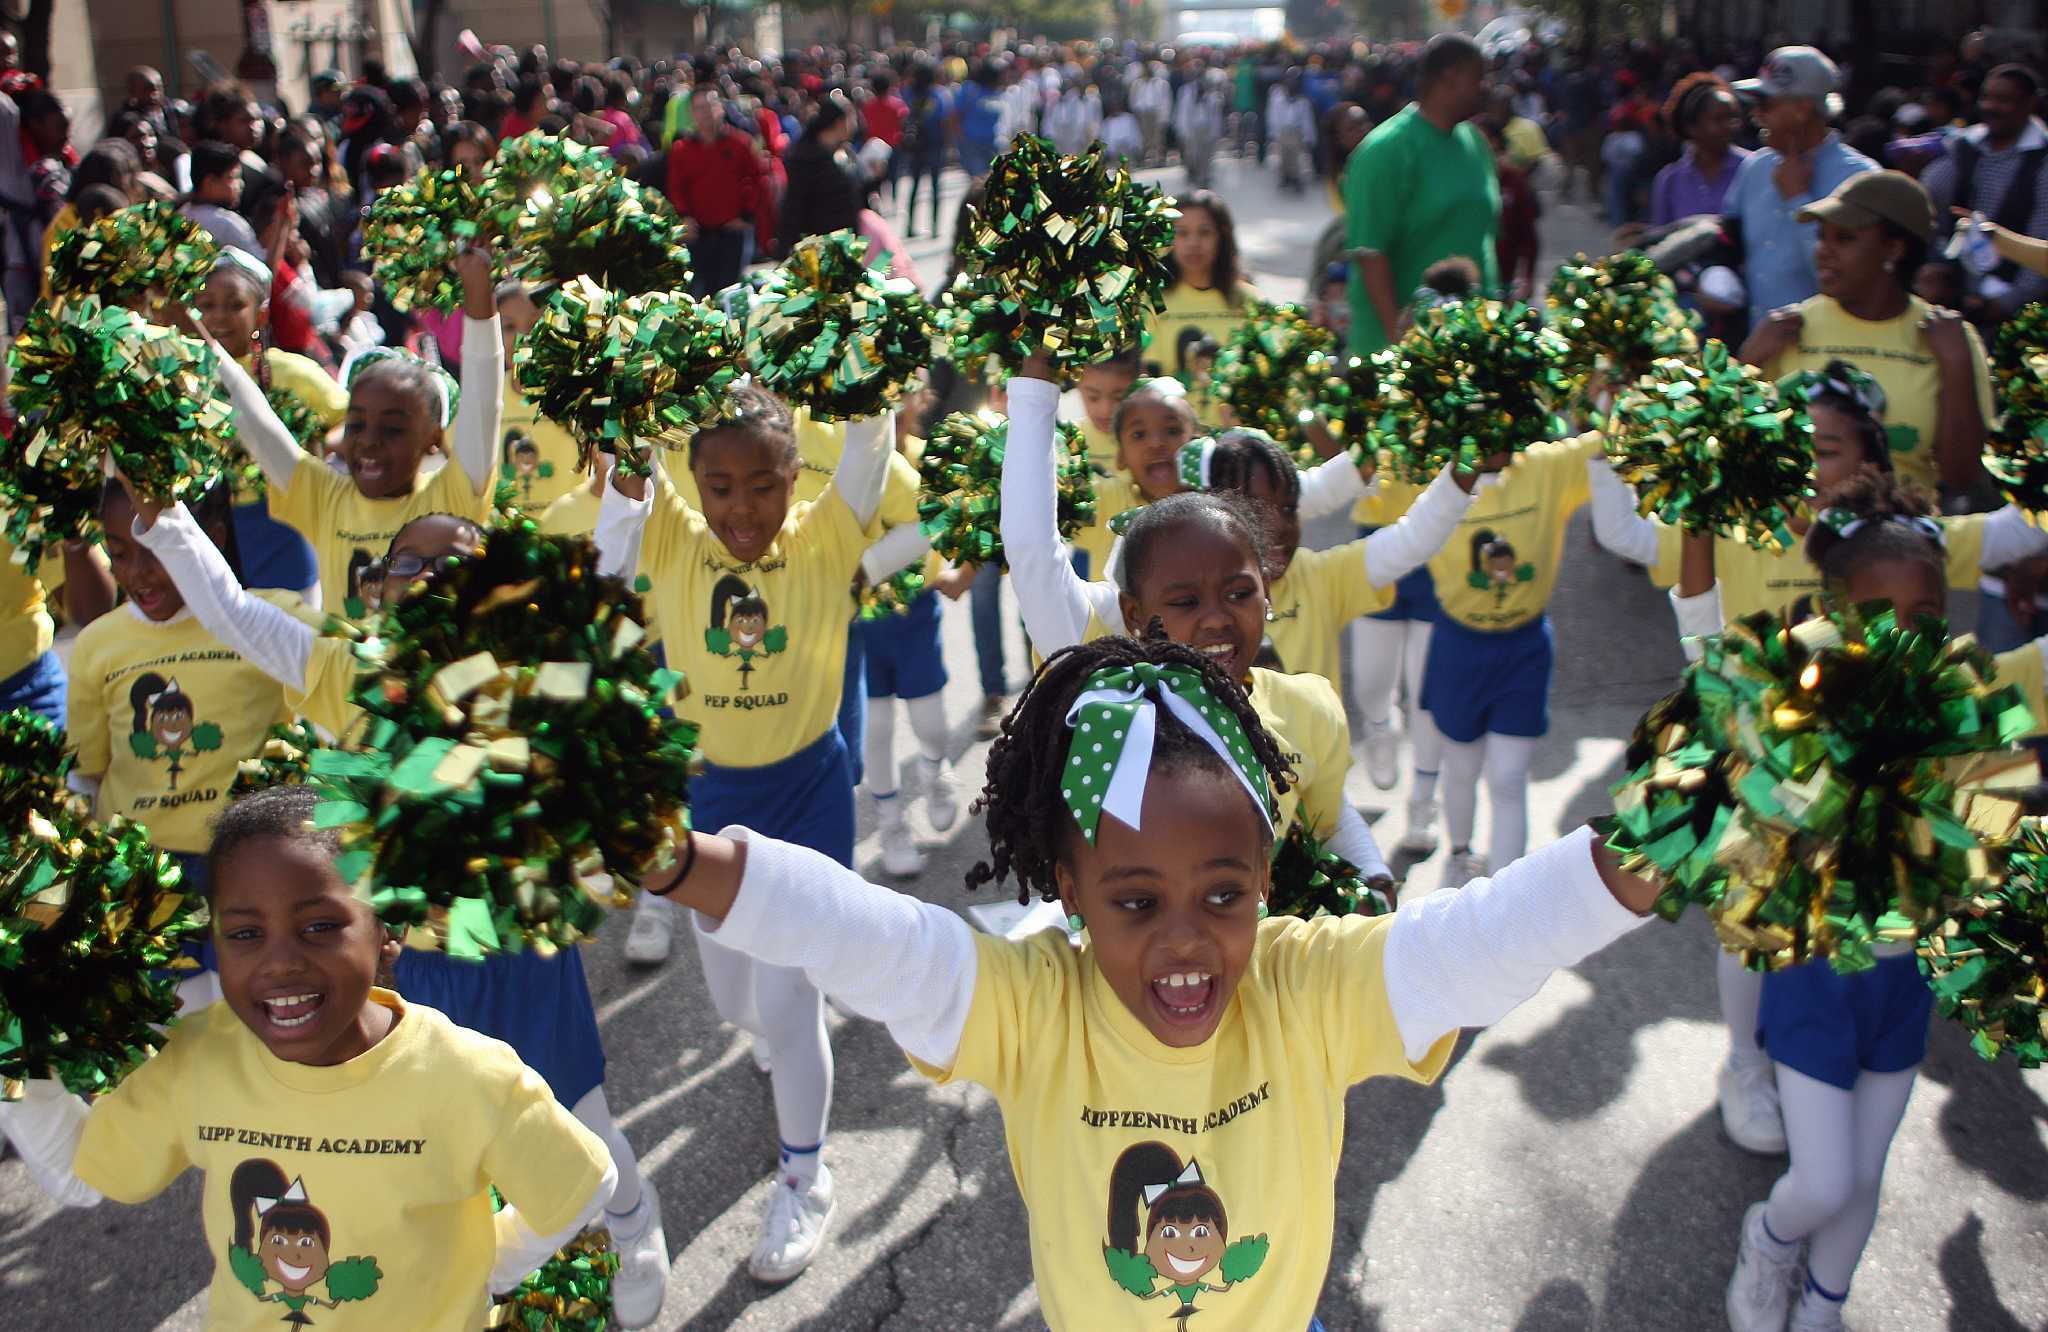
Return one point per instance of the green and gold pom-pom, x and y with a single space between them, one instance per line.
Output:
612 230
616 370
1711 445
1469 380
1271 370
1618 314
414 231
533 170
91 379
514 751
35 759
2016 454
147 253
285 759
893 595
829 333
1063 255
91 918
1988 961
1824 786
1348 396
570 1292
960 501
1310 880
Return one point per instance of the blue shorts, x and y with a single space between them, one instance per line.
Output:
1414 597
904 657
1832 1027
39 686
807 798
1477 683
272 554
540 1006
853 700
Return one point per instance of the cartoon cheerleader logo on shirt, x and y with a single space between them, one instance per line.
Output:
522 465
282 1239
1494 566
739 626
164 726
1185 1231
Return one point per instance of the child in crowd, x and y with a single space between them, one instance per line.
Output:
536 456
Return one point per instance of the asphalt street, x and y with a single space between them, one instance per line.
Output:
1566 1173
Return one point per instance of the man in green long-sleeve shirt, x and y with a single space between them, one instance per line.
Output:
1419 189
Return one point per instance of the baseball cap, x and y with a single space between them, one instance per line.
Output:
1871 197
329 78
1797 71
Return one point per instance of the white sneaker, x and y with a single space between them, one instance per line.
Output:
1417 839
1815 1312
1382 753
641 1282
1463 867
653 931
934 778
1760 1292
792 1227
900 857
1749 1107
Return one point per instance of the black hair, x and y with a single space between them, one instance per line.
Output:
1224 275
263 193
211 158
752 410
1151 1164
1030 829
1141 391
152 691
1690 96
1870 434
213 509
1241 453
111 162
259 1178
727 594
1886 505
96 201
283 813
832 109
2019 74
412 375
467 131
1445 53
469 525
1152 523
1453 278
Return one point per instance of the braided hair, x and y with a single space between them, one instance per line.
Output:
1241 454
1896 525
1030 828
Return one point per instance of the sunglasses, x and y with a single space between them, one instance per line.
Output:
406 567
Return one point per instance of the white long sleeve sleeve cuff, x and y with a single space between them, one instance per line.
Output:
1697 616
1469 958
2010 538
898 548
262 436
886 956
45 1126
1616 523
864 465
1331 486
481 415
266 636
1053 600
521 1250
1354 841
1398 550
621 522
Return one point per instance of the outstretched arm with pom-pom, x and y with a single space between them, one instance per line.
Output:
1056 602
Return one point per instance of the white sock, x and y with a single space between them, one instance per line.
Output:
878 746
596 1115
928 724
801 1164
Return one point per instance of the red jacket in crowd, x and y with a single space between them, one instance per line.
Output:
714 183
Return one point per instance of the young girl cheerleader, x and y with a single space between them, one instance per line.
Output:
1184 1069
1846 1049
1208 296
1720 579
751 592
234 309
1097 393
398 408
1197 563
535 456
383 1126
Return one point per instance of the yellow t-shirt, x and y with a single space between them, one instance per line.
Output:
27 630
540 478
1098 1114
1187 307
1321 592
373 1177
1894 353
1114 494
348 529
1763 580
763 644
2021 668
308 381
161 714
1497 570
1101 444
571 513
1307 721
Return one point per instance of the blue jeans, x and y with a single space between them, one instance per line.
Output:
853 698
986 605
39 686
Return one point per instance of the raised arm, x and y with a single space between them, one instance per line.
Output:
262 436
622 510
45 1126
1332 486
478 419
1055 601
884 955
1616 523
864 464
268 637
898 548
1400 548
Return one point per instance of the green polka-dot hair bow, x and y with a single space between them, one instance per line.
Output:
1115 721
1194 462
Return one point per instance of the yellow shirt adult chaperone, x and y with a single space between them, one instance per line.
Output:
1309 605
1498 569
358 1192
348 529
1755 580
162 713
1241 1134
1894 352
26 629
1209 312
763 643
546 472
